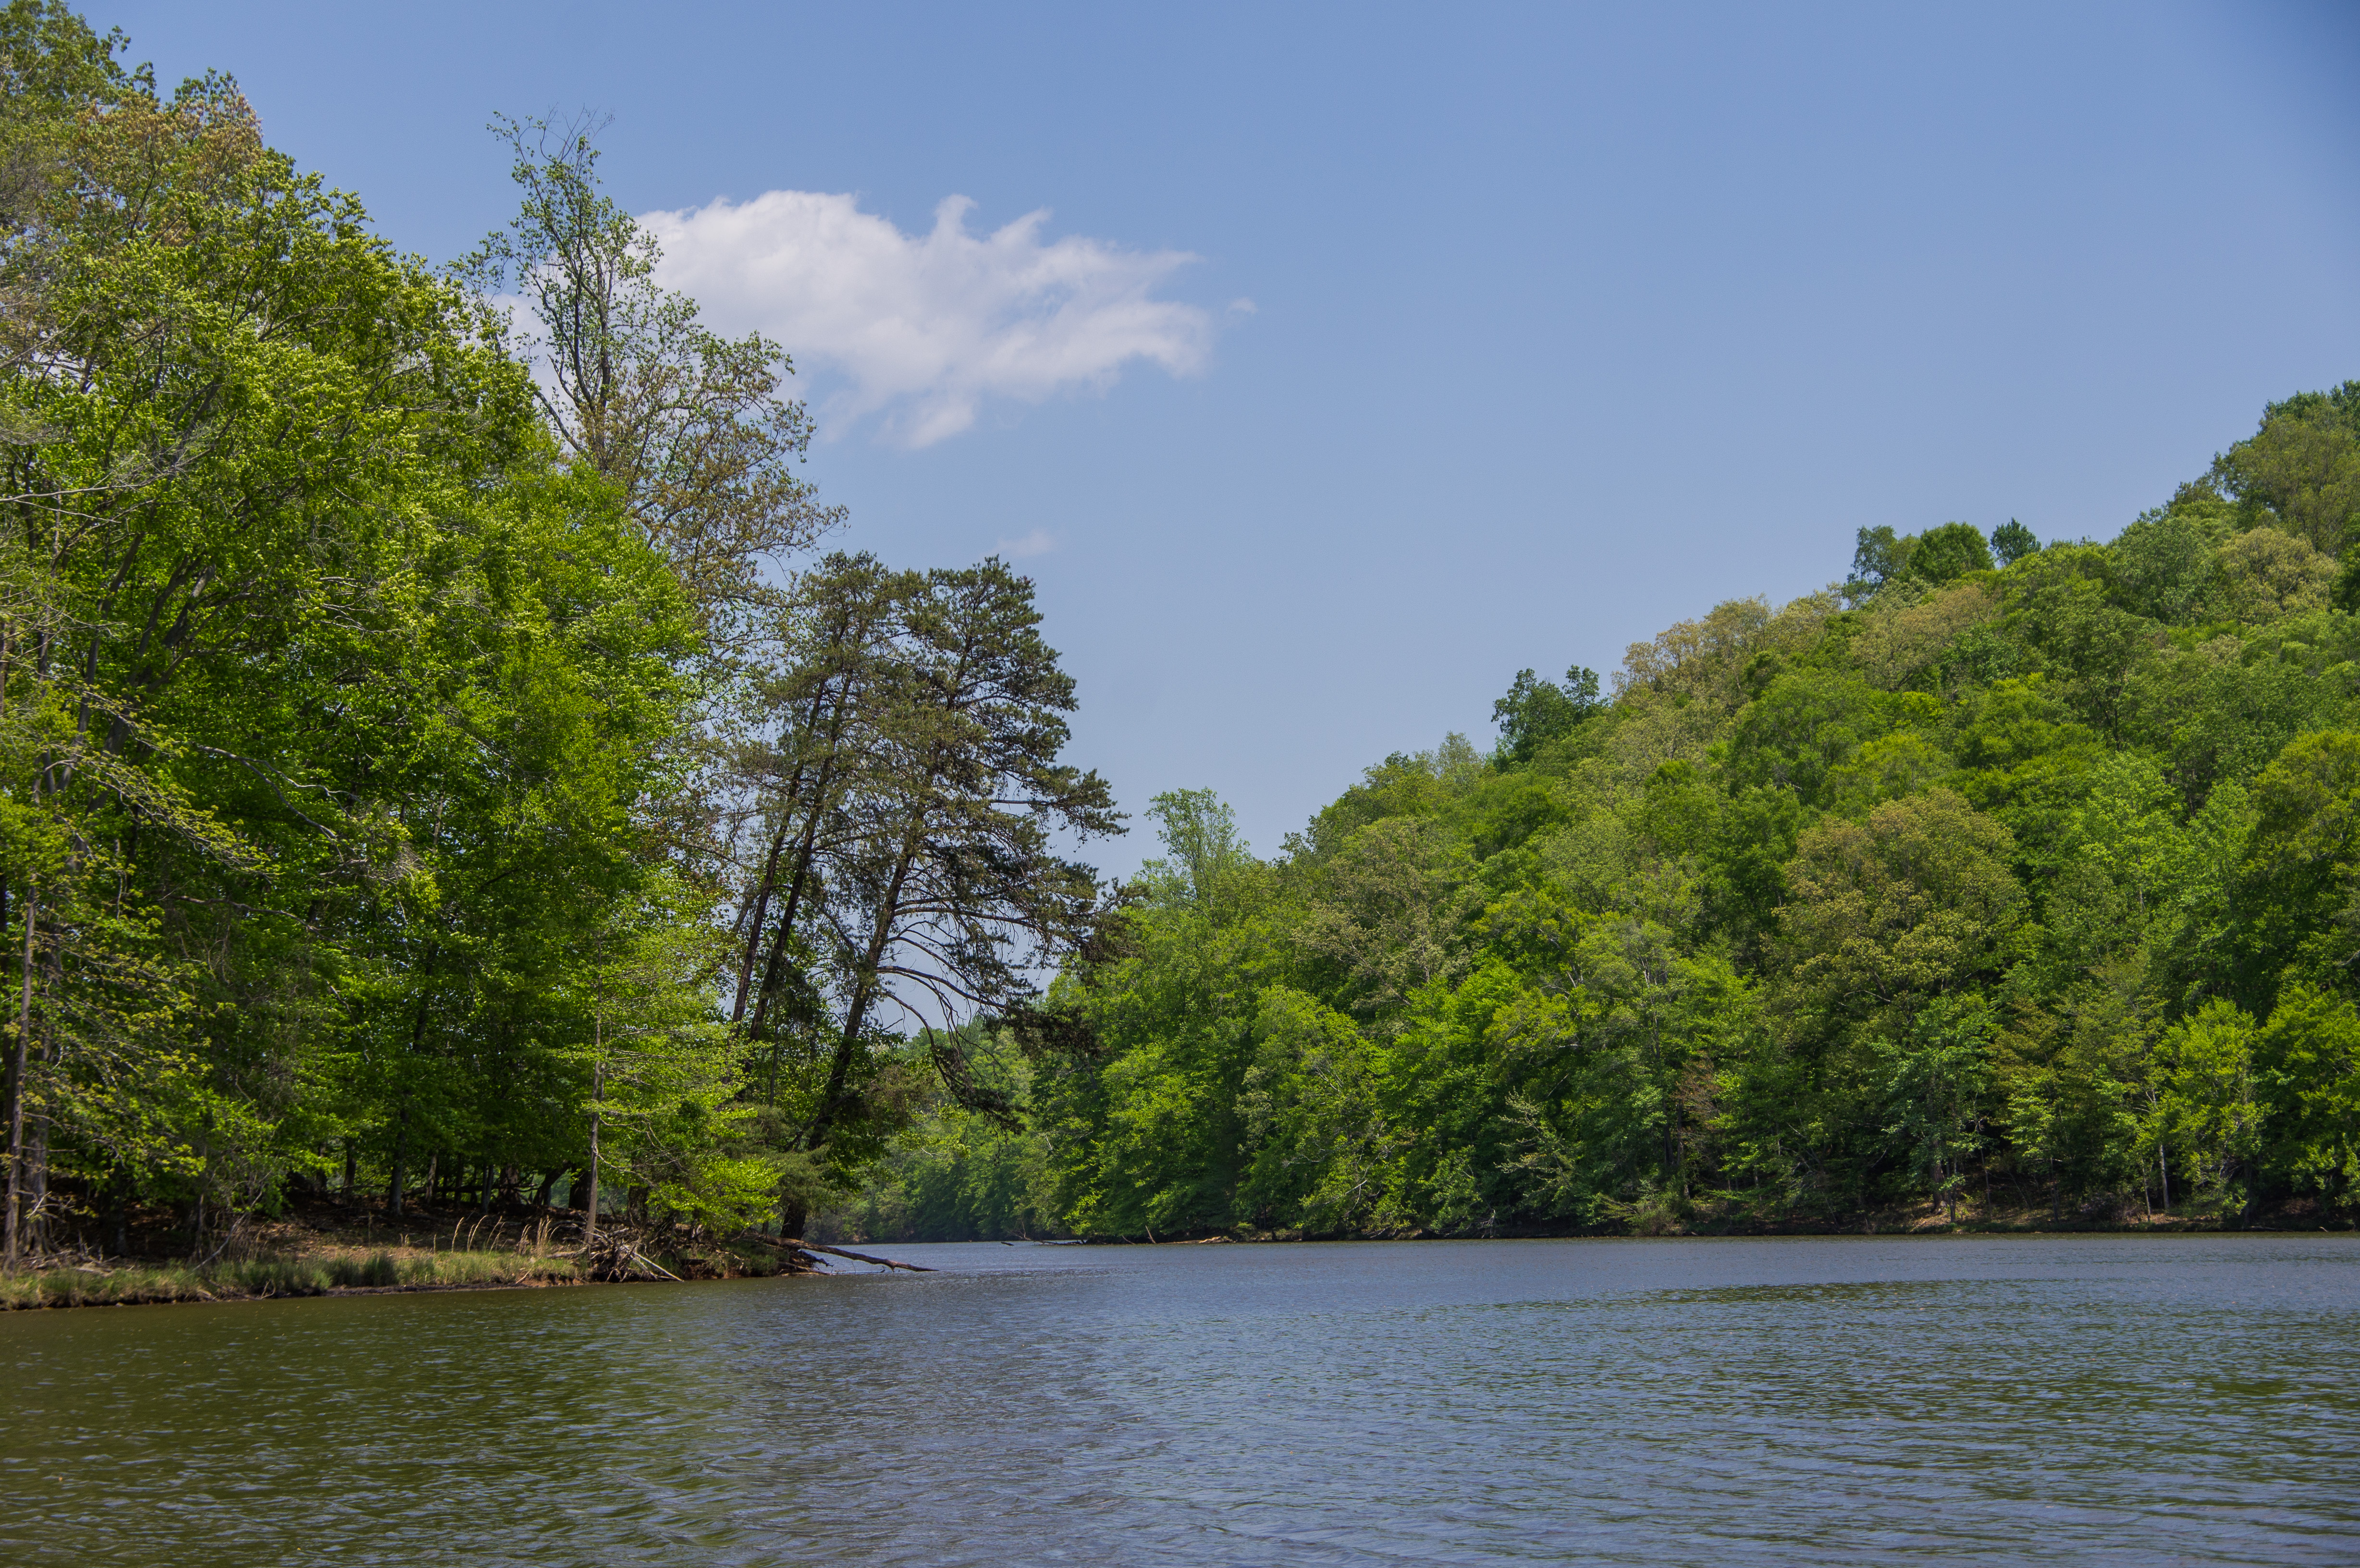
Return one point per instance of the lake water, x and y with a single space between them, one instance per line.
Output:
1812 1400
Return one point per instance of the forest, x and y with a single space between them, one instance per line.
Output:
2001 882
442 763
437 765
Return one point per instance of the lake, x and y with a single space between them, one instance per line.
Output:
2133 1399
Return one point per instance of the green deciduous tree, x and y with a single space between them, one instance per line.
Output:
2012 542
1534 712
1935 1085
2306 1060
2207 1117
1887 914
2301 469
691 426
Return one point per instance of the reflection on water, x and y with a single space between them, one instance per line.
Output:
1702 1401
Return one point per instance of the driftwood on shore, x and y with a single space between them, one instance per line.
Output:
614 1256
611 1256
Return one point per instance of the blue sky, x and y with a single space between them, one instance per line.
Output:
1405 347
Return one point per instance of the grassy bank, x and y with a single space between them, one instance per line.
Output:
331 1250
120 1283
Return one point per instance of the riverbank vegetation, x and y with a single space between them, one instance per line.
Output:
436 768
442 774
322 1246
1998 884
63 1281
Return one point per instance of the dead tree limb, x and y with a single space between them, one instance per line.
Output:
858 1257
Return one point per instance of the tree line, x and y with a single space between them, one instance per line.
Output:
1996 880
435 764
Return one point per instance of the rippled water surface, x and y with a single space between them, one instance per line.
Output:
2114 1399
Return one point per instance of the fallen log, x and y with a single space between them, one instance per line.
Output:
858 1257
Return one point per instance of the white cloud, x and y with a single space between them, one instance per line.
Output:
1039 541
924 327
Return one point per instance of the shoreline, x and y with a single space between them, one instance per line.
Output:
2298 1217
334 1251
135 1282
37 1291
309 1259
326 1249
1959 1233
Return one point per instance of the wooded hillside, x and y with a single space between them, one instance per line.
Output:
1996 878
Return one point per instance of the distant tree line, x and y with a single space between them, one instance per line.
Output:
1995 879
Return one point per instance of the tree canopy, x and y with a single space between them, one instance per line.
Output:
1996 880
397 701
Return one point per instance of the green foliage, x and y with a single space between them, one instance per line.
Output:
418 771
1880 556
2012 542
2307 1062
1948 553
2206 1114
386 729
1534 713
957 1174
1936 1086
2300 472
2023 885
1939 555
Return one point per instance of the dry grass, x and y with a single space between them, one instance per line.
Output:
329 1252
316 1273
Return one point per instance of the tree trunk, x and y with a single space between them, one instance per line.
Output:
204 1183
805 850
761 913
18 1063
590 1198
864 990
774 966
400 1164
36 1156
